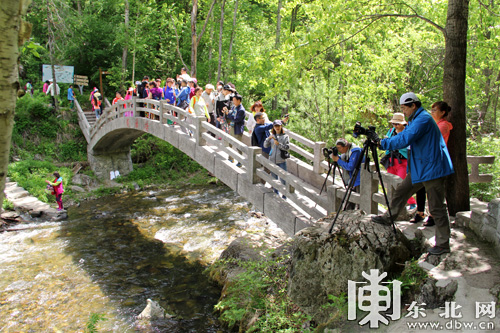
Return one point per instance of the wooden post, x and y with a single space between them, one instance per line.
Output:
252 164
368 186
318 157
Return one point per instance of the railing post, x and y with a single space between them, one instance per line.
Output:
199 130
318 157
368 186
134 100
161 112
252 164
333 201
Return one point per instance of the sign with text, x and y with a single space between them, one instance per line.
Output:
64 74
81 80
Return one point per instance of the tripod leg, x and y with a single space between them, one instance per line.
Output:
377 168
327 175
351 184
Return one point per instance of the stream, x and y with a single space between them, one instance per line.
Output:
114 253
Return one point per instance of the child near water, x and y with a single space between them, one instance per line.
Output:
57 184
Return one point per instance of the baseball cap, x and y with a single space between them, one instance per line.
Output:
209 86
277 122
228 87
408 97
341 142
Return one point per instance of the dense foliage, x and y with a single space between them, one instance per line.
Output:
54 138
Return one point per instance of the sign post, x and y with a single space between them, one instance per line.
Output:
81 81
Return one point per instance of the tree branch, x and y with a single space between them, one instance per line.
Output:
206 22
488 9
379 16
178 47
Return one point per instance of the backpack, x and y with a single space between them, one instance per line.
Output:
98 96
254 140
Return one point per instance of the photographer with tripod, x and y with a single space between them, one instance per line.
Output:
350 154
428 164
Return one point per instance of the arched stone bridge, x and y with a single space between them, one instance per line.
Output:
108 149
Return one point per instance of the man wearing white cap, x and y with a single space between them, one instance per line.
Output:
209 97
428 164
53 91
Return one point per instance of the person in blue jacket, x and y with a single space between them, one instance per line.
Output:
261 133
350 154
182 99
429 164
236 119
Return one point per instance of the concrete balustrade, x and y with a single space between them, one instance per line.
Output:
111 136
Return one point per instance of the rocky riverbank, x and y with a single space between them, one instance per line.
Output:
316 267
25 203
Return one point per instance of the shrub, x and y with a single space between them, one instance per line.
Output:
7 204
260 289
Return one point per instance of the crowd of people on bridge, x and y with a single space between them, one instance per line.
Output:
222 107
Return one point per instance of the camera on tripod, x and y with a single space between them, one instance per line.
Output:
330 151
359 130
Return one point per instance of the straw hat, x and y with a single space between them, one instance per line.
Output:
398 118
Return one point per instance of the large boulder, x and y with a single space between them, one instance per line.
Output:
322 263
83 180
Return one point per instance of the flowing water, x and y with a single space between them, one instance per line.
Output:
114 253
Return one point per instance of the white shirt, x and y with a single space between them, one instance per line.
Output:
51 89
209 101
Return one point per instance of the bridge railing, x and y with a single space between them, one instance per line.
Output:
82 121
305 175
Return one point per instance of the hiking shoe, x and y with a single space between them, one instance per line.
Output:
429 222
417 218
239 165
438 250
381 220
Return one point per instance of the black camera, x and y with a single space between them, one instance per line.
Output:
330 151
359 130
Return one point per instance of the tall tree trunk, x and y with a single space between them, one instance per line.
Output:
135 48
79 7
210 53
457 186
194 39
51 56
125 46
14 32
219 66
233 32
274 104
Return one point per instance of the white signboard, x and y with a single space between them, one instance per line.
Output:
64 74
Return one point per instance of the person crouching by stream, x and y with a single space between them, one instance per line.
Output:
279 143
58 191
